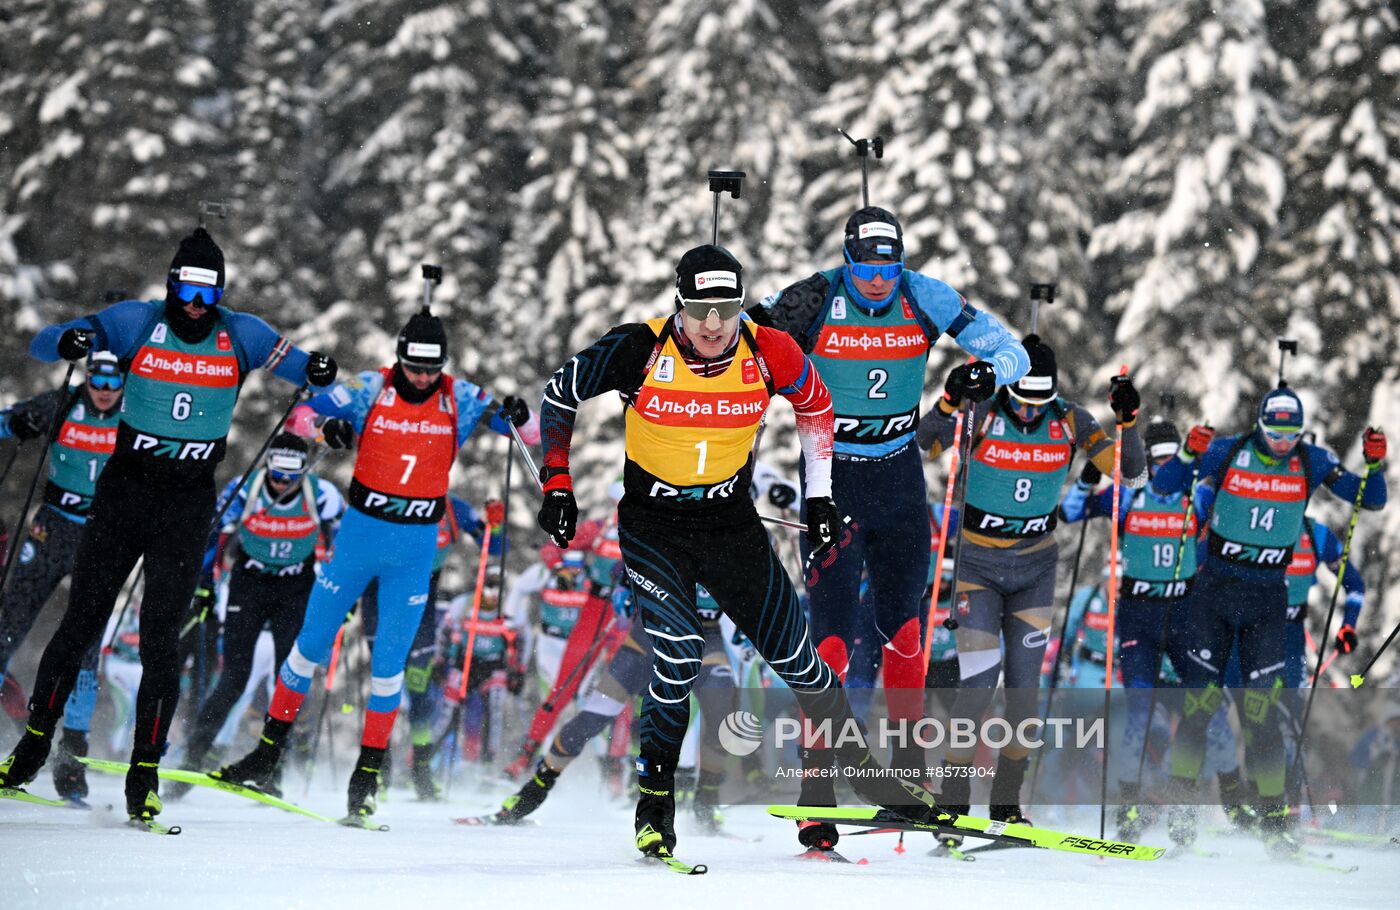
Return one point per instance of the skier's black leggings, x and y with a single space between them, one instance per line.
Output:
667 552
160 516
255 598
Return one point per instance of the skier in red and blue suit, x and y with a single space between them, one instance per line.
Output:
411 419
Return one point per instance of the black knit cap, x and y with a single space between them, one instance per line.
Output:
1041 381
287 453
709 271
874 233
423 341
1161 432
198 251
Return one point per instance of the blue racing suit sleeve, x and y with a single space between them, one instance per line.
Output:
977 332
350 399
264 348
1175 475
1329 551
1078 504
472 404
116 329
1327 471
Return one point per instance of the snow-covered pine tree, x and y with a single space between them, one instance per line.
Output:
424 111
110 134
932 79
1066 65
1337 266
1194 202
719 88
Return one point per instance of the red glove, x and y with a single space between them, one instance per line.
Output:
1198 440
495 513
1346 639
1373 444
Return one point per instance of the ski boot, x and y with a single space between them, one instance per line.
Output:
22 765
424 786
1006 791
1182 818
143 785
1234 799
1134 818
196 755
362 794
706 804
1279 832
530 797
521 763
257 770
655 821
955 798
818 789
910 761
685 782
69 774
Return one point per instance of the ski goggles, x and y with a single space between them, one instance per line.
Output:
1281 440
420 369
725 308
203 294
866 271
106 382
285 466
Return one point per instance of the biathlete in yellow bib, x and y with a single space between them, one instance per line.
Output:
696 385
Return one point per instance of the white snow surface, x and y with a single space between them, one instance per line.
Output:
235 853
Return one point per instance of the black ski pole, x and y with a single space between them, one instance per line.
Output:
1358 679
18 537
960 495
1323 641
297 399
14 453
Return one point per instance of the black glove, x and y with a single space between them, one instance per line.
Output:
339 434
558 516
1123 397
782 495
320 369
515 681
823 522
26 424
971 382
1091 474
515 410
74 344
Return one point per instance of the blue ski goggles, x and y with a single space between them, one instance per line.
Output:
869 272
1281 442
202 294
106 382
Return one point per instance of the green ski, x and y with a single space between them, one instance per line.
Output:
1021 835
662 855
25 796
204 780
